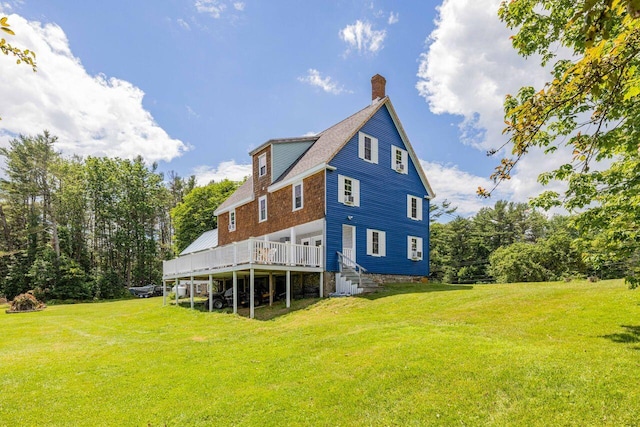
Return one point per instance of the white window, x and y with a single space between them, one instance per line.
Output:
399 160
368 148
262 165
348 191
232 220
414 207
376 243
298 196
262 209
414 248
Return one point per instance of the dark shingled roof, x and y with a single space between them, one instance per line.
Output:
242 193
332 140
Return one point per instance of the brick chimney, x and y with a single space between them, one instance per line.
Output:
377 87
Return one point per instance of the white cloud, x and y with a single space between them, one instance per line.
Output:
228 169
91 115
362 37
459 187
468 68
184 24
215 8
211 7
393 18
314 78
192 112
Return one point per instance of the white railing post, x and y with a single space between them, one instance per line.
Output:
235 253
291 253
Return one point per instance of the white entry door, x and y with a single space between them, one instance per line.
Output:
349 244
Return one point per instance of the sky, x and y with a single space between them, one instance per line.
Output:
194 85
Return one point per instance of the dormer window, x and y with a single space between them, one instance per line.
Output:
399 160
262 165
367 148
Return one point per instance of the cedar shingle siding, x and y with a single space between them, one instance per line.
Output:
280 210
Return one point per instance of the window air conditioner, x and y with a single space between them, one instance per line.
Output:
399 168
232 227
416 255
348 200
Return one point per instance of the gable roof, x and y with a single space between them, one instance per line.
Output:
332 140
207 240
329 142
242 195
326 146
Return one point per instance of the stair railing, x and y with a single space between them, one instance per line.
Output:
344 261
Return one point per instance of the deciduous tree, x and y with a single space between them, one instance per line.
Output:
591 104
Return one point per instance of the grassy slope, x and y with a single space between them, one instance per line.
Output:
523 354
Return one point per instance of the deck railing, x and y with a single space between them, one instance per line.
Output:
252 251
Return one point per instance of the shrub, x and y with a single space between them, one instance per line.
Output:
26 302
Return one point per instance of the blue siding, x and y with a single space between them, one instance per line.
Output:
383 204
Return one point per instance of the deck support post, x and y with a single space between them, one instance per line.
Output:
191 292
321 284
288 288
210 293
164 292
177 290
235 292
270 288
252 289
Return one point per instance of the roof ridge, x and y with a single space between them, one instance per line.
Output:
376 101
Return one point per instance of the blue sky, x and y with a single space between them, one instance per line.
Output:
196 84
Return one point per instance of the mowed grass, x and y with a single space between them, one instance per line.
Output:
544 354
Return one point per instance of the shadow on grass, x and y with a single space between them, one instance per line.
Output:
266 312
262 312
413 288
631 335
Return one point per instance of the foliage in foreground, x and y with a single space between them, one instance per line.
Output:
534 354
592 105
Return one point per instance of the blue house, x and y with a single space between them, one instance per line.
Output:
344 210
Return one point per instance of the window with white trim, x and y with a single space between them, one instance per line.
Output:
399 161
348 191
414 207
262 209
262 165
232 220
376 243
298 196
367 148
414 248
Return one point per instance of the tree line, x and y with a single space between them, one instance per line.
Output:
86 228
513 242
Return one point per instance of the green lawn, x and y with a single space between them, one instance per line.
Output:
521 354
